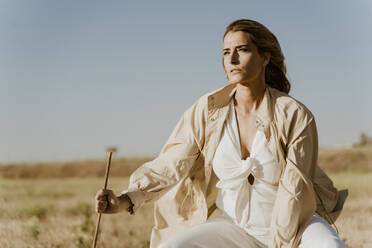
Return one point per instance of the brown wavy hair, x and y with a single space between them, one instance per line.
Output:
265 41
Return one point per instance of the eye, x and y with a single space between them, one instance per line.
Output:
243 50
225 52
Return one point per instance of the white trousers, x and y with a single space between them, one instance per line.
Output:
222 232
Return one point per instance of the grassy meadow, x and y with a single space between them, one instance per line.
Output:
51 205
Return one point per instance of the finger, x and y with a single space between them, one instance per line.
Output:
101 197
102 194
101 206
108 192
99 194
111 195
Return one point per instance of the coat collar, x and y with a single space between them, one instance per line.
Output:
223 96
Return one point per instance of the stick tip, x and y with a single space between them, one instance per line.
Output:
111 149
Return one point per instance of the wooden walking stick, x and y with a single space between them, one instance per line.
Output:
110 151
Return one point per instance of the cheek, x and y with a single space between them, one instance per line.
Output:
223 65
253 64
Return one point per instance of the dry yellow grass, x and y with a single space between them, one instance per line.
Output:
58 212
355 222
346 159
120 167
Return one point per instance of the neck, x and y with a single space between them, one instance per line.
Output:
248 97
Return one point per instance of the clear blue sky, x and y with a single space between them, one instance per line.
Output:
78 76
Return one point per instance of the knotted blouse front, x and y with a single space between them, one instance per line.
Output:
248 205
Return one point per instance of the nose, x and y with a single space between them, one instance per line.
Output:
234 58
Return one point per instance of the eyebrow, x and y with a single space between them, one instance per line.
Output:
240 46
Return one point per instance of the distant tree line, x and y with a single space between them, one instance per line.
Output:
364 140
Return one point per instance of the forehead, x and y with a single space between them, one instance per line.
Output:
237 38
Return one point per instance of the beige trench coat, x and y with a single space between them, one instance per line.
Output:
182 183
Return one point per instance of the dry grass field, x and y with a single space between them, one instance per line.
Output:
57 210
59 213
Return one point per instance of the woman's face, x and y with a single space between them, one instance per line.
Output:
241 61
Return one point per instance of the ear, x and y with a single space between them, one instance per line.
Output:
266 57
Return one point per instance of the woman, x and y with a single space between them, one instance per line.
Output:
248 150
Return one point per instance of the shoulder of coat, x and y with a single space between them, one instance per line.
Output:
288 106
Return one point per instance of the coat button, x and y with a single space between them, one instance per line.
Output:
213 119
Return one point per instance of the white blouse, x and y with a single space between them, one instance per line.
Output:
249 206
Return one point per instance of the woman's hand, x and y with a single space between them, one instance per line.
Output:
108 203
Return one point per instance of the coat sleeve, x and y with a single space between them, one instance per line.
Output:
295 198
151 180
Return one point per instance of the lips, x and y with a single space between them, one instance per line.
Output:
235 70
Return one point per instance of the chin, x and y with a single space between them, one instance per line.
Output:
236 80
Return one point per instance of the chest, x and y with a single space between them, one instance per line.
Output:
259 160
213 134
246 129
